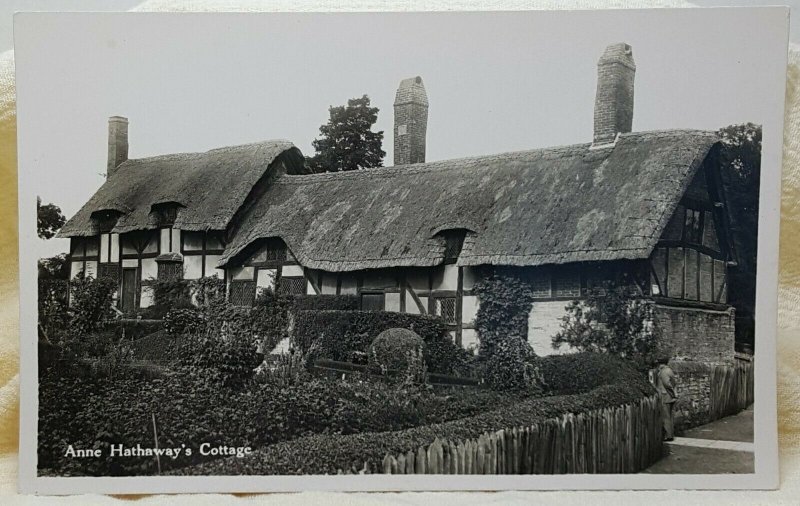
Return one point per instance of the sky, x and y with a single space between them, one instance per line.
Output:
496 81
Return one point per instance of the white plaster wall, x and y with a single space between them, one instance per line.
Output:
91 269
292 270
470 277
445 277
164 240
146 298
114 245
266 278
192 267
211 266
411 306
469 339
393 301
469 308
544 321
130 262
176 241
149 269
104 247
242 273
75 269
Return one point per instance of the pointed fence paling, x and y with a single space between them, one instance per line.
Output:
732 388
621 439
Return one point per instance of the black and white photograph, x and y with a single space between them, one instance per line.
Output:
278 248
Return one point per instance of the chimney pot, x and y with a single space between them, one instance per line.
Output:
613 107
410 121
117 143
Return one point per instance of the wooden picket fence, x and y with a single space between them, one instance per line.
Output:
623 439
732 388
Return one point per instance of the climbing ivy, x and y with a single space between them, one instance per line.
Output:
502 324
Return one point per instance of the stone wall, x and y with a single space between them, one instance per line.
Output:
693 389
701 335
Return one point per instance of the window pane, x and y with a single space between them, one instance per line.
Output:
446 308
540 284
290 285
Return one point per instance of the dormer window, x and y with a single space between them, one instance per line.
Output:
165 213
453 242
105 219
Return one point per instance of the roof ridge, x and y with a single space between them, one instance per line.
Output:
417 168
197 154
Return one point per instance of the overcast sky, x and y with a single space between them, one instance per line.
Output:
496 81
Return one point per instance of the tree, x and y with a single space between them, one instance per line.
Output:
612 319
740 162
49 219
347 141
55 267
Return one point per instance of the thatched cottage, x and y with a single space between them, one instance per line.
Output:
411 237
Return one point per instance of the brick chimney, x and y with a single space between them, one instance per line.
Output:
117 143
613 106
410 121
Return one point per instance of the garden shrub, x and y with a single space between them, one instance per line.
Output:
612 319
184 321
391 350
502 324
340 334
52 302
168 295
91 304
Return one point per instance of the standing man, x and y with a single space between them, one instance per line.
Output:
665 384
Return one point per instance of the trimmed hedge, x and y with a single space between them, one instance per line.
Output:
620 384
338 334
323 302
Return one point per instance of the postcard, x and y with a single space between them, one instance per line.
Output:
399 251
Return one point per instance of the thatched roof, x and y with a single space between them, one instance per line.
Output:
207 187
545 206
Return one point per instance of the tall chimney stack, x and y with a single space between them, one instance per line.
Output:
410 121
613 106
117 143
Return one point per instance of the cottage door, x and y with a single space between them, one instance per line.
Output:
129 289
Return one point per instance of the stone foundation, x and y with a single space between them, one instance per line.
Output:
694 394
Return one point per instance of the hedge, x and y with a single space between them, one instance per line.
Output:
323 302
328 454
340 333
87 409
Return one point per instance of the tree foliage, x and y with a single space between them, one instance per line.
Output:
740 161
612 319
55 267
347 141
49 219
